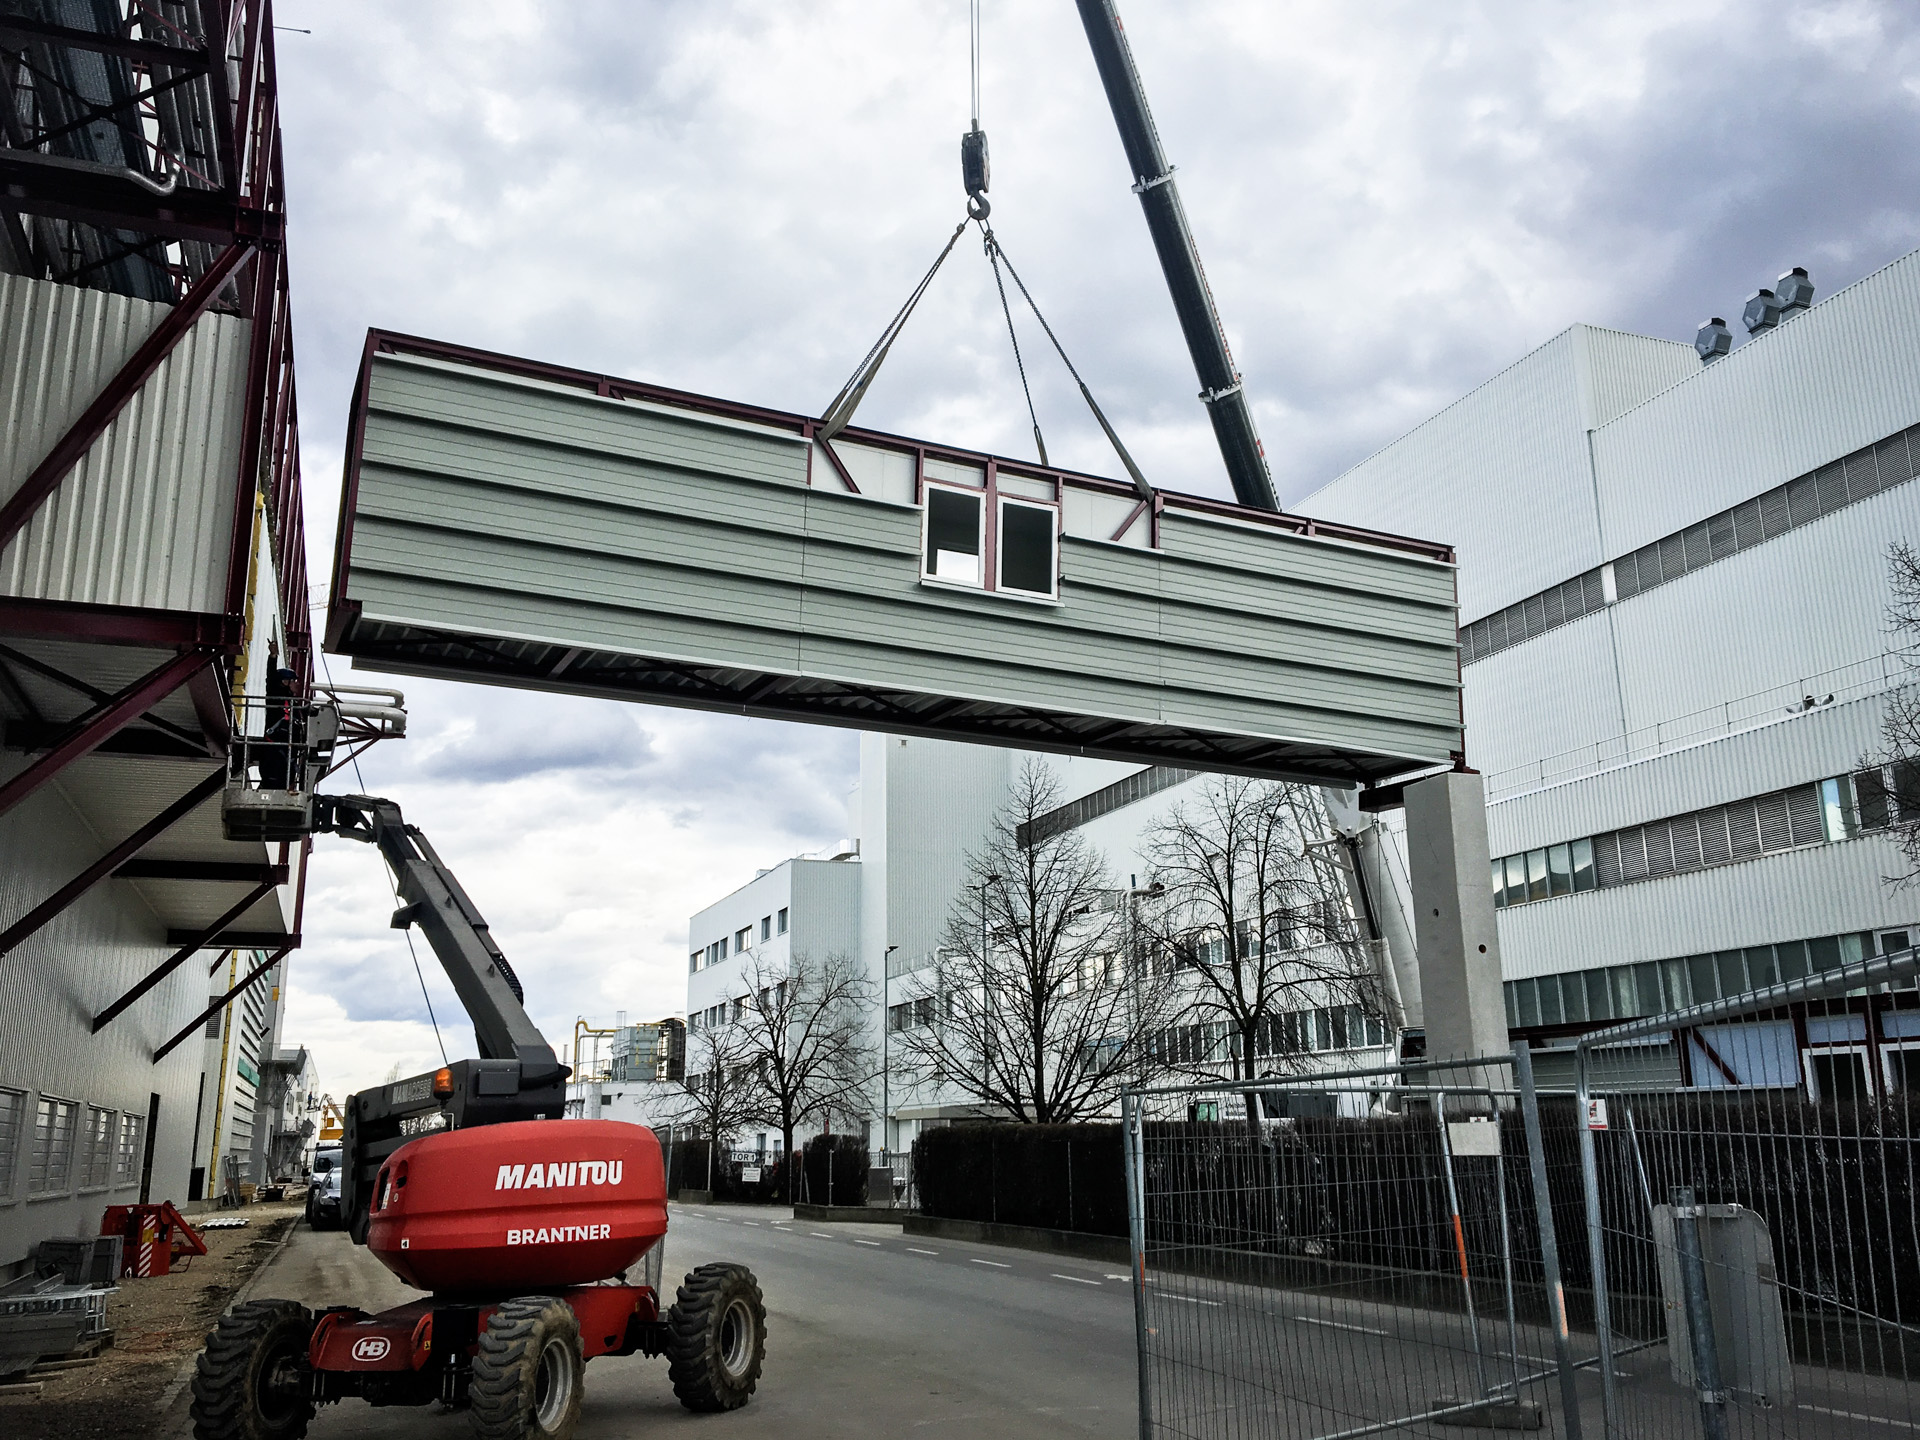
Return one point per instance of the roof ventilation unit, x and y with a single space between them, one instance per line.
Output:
1795 292
1762 312
1713 339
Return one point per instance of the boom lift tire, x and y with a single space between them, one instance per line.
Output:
252 1382
528 1373
716 1338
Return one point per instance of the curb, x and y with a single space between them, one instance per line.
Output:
172 1397
1076 1243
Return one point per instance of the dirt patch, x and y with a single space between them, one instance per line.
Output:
158 1326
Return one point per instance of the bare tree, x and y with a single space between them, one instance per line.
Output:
1034 1009
720 1092
1900 730
803 1033
1252 914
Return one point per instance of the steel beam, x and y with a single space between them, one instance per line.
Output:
98 725
117 624
247 981
54 904
235 939
139 368
179 957
228 872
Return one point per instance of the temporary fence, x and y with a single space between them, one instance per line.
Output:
1428 1248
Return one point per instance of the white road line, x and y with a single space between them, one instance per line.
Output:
1336 1325
1076 1279
1185 1299
995 1263
750 1222
822 1235
1119 1277
1856 1415
918 1251
859 1241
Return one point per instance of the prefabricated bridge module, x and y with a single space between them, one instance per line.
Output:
516 523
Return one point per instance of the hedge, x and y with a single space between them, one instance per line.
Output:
1054 1177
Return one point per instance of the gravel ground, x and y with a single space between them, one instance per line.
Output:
158 1326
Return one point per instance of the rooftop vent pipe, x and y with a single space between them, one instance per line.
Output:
1713 339
1795 291
1762 312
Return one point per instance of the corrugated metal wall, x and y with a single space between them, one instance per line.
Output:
1503 474
1557 692
1811 746
1842 375
1794 608
50 989
144 518
1793 895
494 506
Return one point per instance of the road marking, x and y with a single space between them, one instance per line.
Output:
1119 1277
1856 1415
1185 1299
1336 1325
918 1251
750 1222
822 1235
995 1263
1076 1279
859 1241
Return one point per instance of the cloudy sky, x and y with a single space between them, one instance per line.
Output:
1394 201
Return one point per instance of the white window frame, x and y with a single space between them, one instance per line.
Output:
129 1150
979 498
98 1146
1887 1049
1859 1052
11 1148
1000 549
66 1161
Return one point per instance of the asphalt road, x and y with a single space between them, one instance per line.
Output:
869 1333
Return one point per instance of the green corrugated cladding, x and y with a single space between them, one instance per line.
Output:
496 506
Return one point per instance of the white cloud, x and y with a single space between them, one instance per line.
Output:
1393 201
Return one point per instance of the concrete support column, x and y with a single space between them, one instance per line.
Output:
1459 948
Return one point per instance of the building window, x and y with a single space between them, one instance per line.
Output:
50 1164
126 1161
13 1106
693 962
955 538
766 927
742 939
96 1162
1026 552
781 921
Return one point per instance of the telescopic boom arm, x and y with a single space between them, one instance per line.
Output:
1153 182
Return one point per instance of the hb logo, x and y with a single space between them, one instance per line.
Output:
374 1347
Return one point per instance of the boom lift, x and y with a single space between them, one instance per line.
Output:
525 1235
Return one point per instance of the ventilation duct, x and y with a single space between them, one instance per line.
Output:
1713 339
1762 312
1795 291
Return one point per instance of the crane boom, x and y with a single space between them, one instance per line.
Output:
1220 387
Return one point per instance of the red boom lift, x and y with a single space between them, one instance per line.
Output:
524 1234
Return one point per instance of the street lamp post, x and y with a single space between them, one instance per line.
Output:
886 1056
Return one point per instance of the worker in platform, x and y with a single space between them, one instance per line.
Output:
276 753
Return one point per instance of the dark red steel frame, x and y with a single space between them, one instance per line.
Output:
246 217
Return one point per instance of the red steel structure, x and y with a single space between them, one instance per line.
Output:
140 155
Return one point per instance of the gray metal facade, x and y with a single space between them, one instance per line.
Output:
541 530
1765 667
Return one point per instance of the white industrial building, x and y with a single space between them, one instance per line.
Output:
1674 591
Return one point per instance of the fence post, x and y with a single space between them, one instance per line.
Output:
1549 1245
1693 1281
1460 1242
1596 1240
1130 1131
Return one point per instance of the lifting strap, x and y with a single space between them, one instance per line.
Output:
840 412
